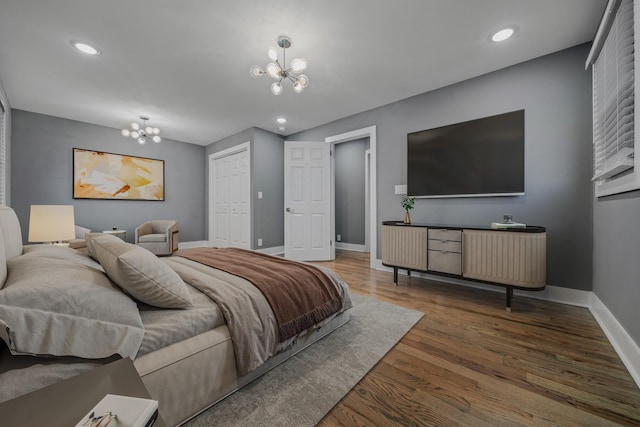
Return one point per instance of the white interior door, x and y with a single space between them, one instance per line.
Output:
230 200
307 201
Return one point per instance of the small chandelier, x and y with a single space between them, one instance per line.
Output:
141 133
280 72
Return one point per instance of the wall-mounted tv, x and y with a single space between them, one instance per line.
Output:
478 158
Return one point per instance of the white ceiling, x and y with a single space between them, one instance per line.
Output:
185 63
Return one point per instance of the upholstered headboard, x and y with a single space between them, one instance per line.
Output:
10 239
11 232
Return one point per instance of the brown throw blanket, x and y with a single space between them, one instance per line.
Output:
299 294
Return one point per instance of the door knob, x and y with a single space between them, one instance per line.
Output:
288 209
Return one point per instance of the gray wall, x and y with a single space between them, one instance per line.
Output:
616 270
267 176
350 190
555 92
42 174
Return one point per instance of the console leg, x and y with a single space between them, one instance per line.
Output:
409 273
395 276
509 298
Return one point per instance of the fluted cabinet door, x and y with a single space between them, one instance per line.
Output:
404 246
512 258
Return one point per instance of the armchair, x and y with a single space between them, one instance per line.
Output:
158 236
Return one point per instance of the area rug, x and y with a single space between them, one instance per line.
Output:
303 389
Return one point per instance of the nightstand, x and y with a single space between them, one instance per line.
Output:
64 403
119 233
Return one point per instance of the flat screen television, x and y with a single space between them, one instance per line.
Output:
478 158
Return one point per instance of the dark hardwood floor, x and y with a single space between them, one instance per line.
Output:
469 362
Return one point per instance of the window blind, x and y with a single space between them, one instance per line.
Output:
3 151
613 98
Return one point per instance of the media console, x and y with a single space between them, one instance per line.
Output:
514 258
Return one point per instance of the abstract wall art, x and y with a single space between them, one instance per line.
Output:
100 175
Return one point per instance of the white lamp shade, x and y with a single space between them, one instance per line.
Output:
135 126
51 223
156 139
126 132
272 53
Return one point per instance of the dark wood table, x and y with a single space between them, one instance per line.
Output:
65 403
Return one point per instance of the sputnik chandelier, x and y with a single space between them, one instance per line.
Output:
141 133
279 71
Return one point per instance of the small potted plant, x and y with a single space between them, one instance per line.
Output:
407 204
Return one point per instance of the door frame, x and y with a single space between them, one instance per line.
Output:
372 232
246 146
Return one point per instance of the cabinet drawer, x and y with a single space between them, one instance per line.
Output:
443 234
445 262
445 245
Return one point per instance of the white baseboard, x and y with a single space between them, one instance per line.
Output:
275 250
350 247
622 342
194 244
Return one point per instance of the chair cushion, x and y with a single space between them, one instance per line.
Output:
139 272
152 238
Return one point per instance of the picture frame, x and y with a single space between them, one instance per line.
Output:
111 176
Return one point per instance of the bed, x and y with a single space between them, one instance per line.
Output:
199 325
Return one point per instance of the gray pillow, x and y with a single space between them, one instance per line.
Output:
59 306
139 272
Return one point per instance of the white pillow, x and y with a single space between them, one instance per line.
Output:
139 272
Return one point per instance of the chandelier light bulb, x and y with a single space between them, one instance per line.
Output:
256 71
273 70
297 87
272 53
298 65
303 79
141 141
135 126
135 134
156 131
156 139
276 88
148 130
125 132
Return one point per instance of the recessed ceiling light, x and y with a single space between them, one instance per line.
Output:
282 128
503 34
85 48
281 120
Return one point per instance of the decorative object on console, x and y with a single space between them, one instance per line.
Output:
141 133
407 204
279 72
51 223
507 222
100 175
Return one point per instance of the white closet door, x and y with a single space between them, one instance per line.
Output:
239 200
231 192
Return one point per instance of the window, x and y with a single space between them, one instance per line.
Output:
3 152
615 168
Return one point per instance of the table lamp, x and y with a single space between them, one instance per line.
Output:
51 223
